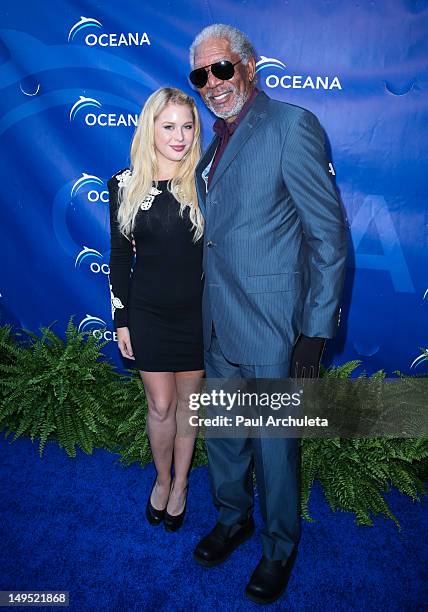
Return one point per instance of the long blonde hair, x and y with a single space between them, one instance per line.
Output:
144 164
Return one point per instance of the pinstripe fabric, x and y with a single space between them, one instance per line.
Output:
275 241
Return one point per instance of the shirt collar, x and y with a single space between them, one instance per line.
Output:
221 126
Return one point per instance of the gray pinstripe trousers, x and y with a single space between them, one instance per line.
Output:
276 462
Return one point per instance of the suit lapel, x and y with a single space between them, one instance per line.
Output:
246 128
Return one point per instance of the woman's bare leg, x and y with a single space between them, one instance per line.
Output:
186 383
161 393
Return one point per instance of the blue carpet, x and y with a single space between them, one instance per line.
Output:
79 525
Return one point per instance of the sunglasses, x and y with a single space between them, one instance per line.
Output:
223 70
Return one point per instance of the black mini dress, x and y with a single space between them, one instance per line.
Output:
159 298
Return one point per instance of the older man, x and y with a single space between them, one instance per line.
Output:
274 262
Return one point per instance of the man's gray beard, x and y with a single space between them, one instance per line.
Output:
235 110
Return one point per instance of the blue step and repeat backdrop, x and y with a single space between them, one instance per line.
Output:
74 76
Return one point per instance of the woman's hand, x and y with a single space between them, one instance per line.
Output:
124 342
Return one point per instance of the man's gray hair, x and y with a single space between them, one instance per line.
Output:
239 42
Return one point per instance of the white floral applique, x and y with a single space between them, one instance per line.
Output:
116 302
123 177
148 200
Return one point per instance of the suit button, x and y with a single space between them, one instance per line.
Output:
210 243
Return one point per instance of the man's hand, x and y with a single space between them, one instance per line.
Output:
306 357
124 342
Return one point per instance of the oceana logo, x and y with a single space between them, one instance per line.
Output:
419 359
93 259
100 118
93 195
92 39
293 81
97 327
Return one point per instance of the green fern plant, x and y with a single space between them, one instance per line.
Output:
9 354
131 430
9 351
66 390
6 343
354 472
55 388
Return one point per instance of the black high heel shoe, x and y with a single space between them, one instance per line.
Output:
173 523
154 516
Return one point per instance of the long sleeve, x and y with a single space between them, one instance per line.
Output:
305 172
121 255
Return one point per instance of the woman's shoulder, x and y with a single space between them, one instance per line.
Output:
119 179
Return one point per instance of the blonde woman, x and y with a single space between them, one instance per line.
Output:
157 309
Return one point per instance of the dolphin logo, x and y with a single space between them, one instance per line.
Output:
419 359
269 62
91 323
84 254
85 179
85 22
82 102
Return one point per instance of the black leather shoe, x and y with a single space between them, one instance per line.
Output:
154 516
269 579
220 543
173 523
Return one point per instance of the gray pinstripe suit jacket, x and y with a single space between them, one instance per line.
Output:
275 240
